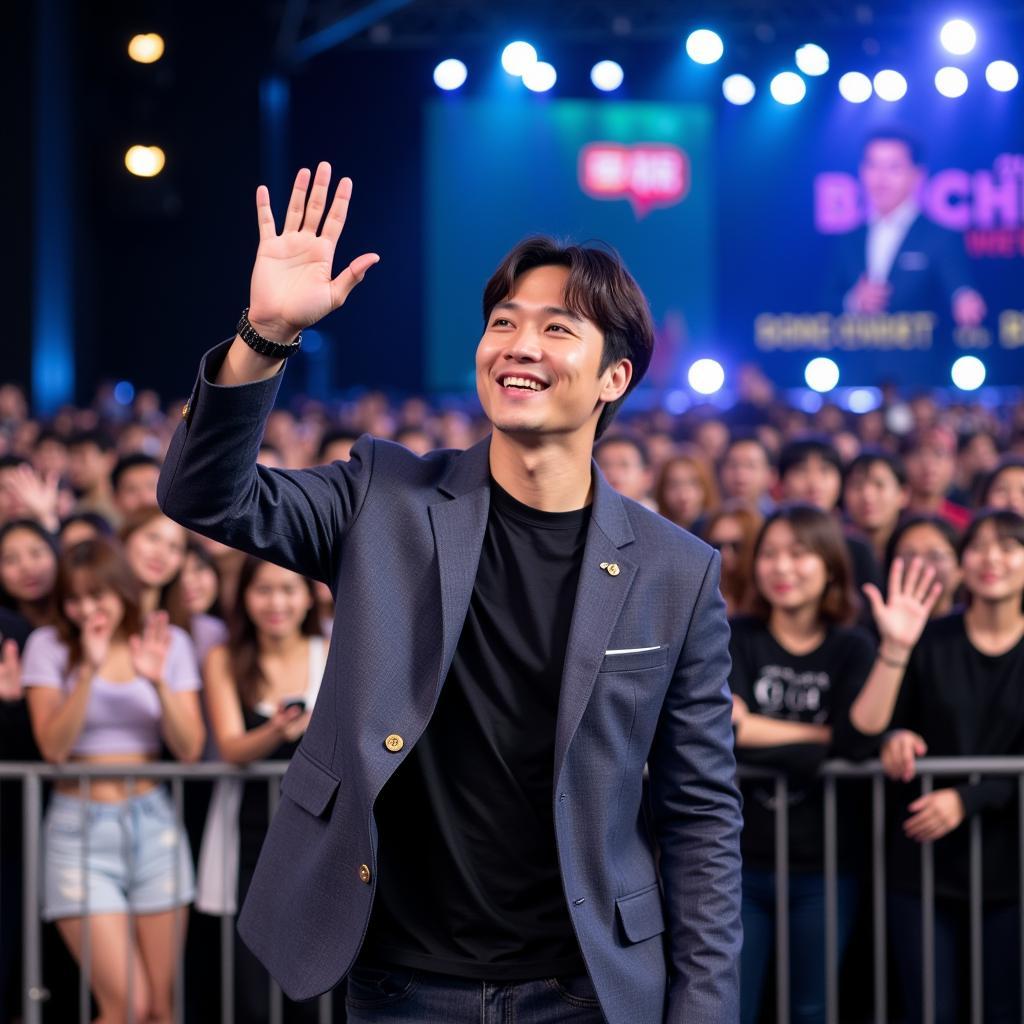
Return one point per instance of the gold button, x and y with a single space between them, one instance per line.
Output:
613 569
364 873
394 743
184 411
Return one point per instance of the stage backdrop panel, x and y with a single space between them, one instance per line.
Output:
638 176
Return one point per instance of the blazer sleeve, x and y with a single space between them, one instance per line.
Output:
210 481
696 812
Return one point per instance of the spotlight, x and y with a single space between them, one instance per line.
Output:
821 374
704 46
450 74
145 161
951 82
812 60
539 77
855 87
788 88
146 48
968 373
606 75
738 89
1002 75
706 376
124 392
958 36
861 400
517 57
890 85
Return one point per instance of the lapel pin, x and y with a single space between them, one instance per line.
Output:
611 568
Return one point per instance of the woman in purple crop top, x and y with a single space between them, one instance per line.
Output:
104 686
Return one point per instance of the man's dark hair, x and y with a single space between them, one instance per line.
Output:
9 461
895 134
332 437
131 461
599 288
796 452
1006 463
869 457
950 534
100 438
627 439
49 434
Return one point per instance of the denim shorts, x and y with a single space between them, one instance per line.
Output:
114 858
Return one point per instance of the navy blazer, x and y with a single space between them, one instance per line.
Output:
930 265
398 538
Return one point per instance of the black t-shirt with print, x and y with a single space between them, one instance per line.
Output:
816 688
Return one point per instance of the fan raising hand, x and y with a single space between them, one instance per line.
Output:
149 651
901 616
291 285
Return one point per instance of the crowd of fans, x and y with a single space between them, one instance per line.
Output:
872 566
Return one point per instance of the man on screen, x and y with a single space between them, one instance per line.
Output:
900 261
465 832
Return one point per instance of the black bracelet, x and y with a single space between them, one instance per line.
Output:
264 346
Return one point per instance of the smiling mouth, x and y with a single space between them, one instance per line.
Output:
513 383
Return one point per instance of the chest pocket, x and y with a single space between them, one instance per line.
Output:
633 659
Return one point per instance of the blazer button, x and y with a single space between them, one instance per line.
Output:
394 743
364 874
184 410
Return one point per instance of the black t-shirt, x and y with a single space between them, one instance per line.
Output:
965 704
468 881
816 688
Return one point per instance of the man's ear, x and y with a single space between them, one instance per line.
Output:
616 380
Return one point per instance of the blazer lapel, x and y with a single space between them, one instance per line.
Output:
600 597
458 522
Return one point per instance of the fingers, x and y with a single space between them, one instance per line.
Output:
317 198
9 656
874 596
895 577
264 214
343 284
338 213
924 584
297 202
933 595
912 576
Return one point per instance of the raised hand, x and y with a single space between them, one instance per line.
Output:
37 494
149 651
10 671
96 636
901 617
292 285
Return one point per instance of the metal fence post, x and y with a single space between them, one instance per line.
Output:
33 992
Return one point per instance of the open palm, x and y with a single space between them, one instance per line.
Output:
913 591
291 285
149 651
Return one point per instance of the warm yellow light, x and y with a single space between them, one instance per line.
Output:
146 48
145 161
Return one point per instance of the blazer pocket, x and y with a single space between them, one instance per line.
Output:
309 784
631 660
641 913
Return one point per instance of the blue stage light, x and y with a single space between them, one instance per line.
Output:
606 75
958 36
855 87
517 57
704 46
788 88
124 392
1002 75
540 77
450 74
738 89
968 373
890 85
951 82
821 374
706 376
812 60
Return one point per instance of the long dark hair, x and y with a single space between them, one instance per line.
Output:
8 600
599 288
821 533
243 642
174 591
1008 525
102 561
170 599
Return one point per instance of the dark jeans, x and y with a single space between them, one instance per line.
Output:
806 940
386 994
1000 959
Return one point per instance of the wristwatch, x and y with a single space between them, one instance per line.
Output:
264 346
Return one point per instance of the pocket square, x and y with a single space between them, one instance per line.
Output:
632 650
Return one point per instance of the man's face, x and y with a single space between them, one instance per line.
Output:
537 363
88 466
815 481
888 174
747 475
622 465
136 488
930 469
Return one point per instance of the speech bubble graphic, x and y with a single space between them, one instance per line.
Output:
647 174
